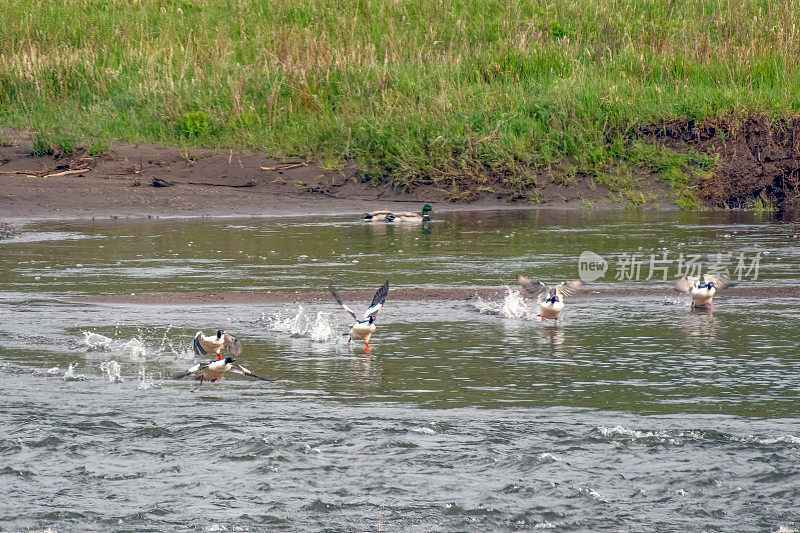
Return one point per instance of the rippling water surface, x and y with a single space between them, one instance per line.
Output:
630 413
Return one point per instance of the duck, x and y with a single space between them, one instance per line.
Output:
551 300
364 328
208 344
401 216
701 289
213 370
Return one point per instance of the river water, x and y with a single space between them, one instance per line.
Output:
632 412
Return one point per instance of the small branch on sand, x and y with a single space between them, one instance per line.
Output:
286 166
26 172
41 173
65 173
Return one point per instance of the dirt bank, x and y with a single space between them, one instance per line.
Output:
759 158
140 180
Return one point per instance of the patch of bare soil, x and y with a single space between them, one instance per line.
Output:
758 158
135 180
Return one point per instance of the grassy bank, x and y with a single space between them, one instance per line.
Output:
447 90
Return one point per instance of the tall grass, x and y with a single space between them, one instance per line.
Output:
409 89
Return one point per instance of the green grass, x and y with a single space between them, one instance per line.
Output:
42 144
760 205
96 147
681 171
66 144
420 89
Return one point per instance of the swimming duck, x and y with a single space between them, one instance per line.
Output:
402 216
364 328
213 370
551 300
204 345
701 290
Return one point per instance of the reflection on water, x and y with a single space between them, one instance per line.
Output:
627 413
551 334
462 249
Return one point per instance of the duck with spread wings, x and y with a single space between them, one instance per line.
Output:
213 370
701 289
551 299
214 344
364 328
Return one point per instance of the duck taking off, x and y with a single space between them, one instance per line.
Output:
213 370
213 344
363 329
551 300
401 216
701 290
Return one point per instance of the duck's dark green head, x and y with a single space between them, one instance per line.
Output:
427 209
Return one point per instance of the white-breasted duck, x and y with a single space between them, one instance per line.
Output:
364 328
701 289
214 344
551 300
213 370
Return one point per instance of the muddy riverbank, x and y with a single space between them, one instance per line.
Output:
756 165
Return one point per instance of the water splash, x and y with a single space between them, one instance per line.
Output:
320 327
145 382
512 306
134 348
139 346
95 341
112 371
70 374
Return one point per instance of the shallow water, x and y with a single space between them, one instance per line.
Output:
627 414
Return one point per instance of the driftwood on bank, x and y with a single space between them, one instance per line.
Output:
285 166
65 173
43 174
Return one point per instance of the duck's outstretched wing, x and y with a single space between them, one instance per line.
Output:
568 288
196 368
377 301
232 345
685 284
533 287
239 369
719 281
196 346
340 302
